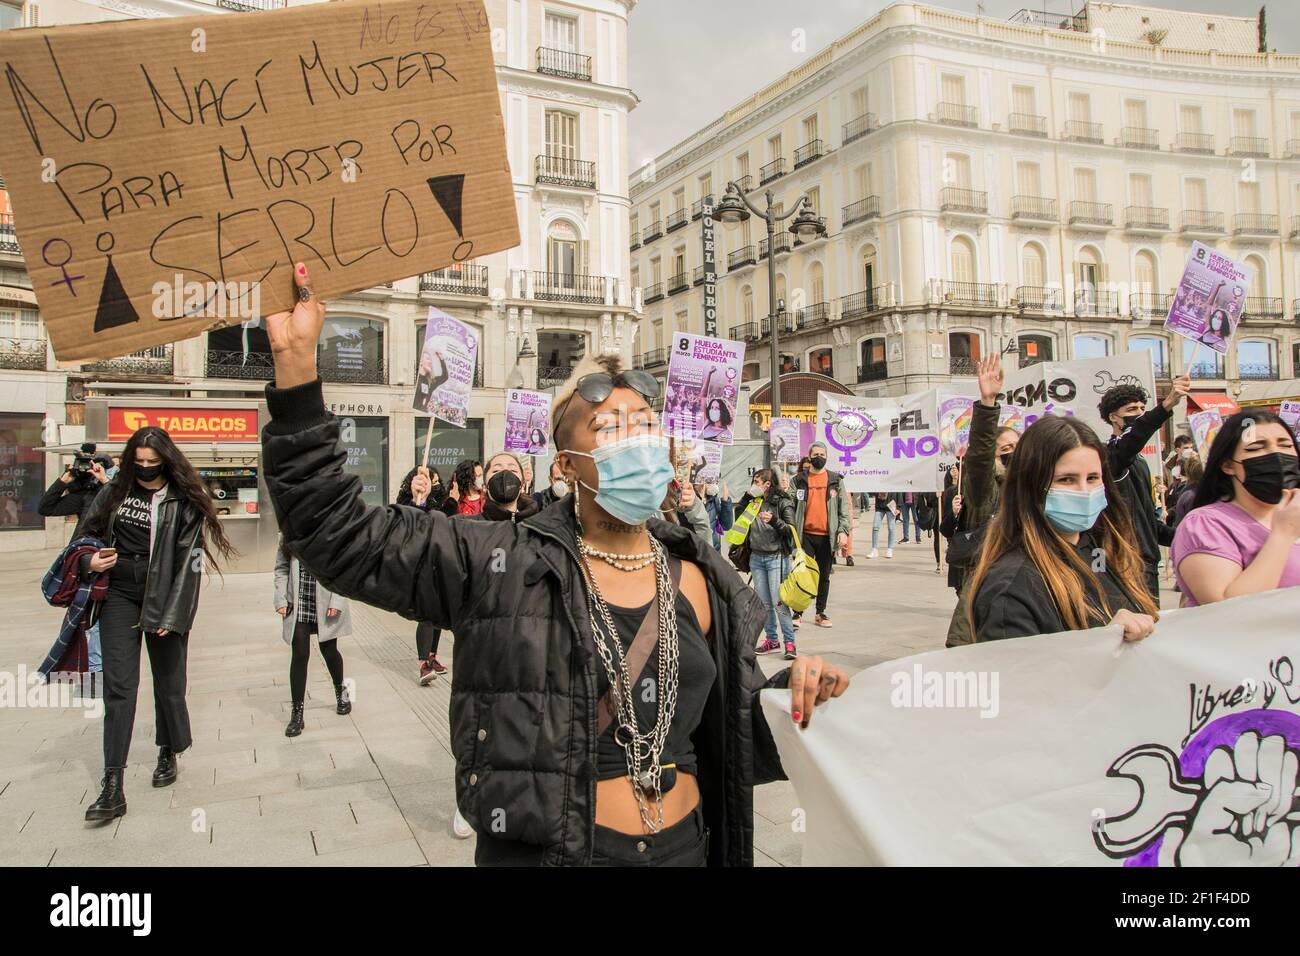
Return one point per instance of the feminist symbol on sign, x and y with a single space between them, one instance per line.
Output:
850 431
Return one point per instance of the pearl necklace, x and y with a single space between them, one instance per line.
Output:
614 560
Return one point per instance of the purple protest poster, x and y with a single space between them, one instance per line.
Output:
1210 298
783 433
446 373
528 422
703 375
706 463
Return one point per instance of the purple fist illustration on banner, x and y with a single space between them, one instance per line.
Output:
850 431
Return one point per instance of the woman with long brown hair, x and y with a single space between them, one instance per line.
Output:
1058 556
160 527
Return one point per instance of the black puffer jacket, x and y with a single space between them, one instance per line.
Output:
523 709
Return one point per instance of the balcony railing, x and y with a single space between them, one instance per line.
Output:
981 295
678 282
746 332
1194 143
1257 373
368 372
744 256
1202 371
873 372
1254 224
550 376
697 207
786 320
1092 303
246 366
1148 305
957 114
745 183
1202 221
859 127
564 171
1146 217
8 236
1037 208
635 243
959 200
1078 131
1292 149
862 303
817 314
781 244
1139 137
861 210
23 354
652 232
773 170
676 219
1295 227
1263 307
575 66
1295 311
1027 124
808 152
653 293
465 280
568 287
653 358
153 361
697 275
962 365
1091 213
1033 298
1248 146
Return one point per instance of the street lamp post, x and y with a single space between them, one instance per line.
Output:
735 207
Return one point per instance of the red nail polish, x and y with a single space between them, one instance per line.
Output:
797 716
302 270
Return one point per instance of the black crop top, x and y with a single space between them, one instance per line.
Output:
696 673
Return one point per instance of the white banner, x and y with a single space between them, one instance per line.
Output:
881 444
1064 749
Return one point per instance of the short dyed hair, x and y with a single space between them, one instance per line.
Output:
610 365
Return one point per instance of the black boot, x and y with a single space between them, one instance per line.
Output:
295 722
112 800
164 774
341 696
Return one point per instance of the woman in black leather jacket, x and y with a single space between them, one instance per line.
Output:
160 526
531 604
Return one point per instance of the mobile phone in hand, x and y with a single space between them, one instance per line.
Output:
107 552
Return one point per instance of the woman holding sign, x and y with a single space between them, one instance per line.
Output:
564 621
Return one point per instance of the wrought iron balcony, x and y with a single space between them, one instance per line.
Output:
678 283
245 366
152 361
863 303
1207 371
653 293
568 287
652 232
819 313
676 219
744 256
1295 311
549 376
1034 208
1078 131
746 332
745 183
1146 218
1254 372
1202 222
697 207
462 280
1254 224
1149 305
861 210
8 235
1033 298
1292 149
1139 137
782 244
564 171
1263 307
773 170
368 372
23 354
1027 124
962 365
859 127
786 323
955 199
564 63
957 114
1194 143
1295 227
654 358
1091 213
1256 146
1095 304
808 152
697 275
873 372
1160 370
981 295
635 242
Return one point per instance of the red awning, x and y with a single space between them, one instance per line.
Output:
1208 400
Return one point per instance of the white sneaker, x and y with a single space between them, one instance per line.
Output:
889 553
460 826
874 553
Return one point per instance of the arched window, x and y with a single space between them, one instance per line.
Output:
963 352
565 250
1146 277
1091 346
1034 348
820 360
1159 349
1258 285
963 260
873 365
1033 266
1257 360
1089 276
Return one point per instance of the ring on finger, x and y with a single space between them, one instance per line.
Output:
304 293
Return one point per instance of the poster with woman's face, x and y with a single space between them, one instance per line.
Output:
703 376
1210 298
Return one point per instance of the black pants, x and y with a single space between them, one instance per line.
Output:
120 647
819 546
685 843
302 632
426 639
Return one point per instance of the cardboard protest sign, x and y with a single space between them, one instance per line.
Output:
881 444
1205 425
1210 298
700 398
783 433
167 173
528 422
447 363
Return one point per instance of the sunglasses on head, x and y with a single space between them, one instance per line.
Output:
598 386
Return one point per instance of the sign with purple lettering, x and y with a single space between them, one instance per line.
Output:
446 373
703 375
1289 412
784 436
881 444
1210 298
706 463
1205 426
528 422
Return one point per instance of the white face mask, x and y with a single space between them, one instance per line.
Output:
559 487
755 491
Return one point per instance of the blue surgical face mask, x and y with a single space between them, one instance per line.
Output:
1074 511
111 473
634 474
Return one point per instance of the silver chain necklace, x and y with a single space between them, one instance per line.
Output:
640 750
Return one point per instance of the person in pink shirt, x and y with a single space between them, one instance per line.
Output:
1242 535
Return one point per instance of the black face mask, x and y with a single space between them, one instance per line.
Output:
1006 459
1130 420
819 463
148 474
1267 476
504 487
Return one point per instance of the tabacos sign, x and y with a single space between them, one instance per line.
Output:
186 424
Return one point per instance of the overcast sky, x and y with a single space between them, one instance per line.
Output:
692 60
